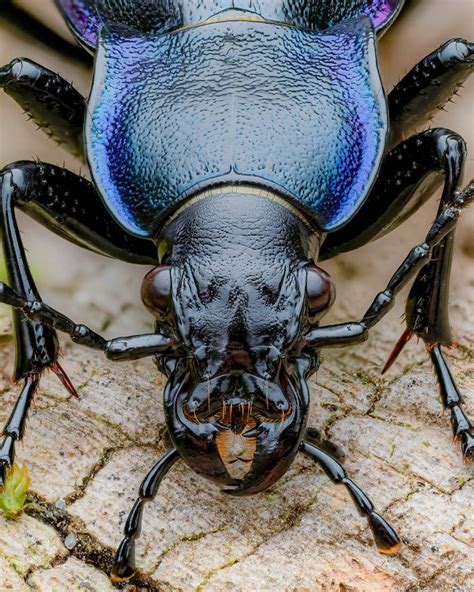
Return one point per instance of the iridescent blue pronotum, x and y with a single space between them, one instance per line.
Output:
233 145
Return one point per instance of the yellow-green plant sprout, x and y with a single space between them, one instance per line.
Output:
13 494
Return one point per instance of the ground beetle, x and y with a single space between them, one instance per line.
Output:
232 145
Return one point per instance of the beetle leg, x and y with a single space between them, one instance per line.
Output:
70 206
410 175
15 426
36 344
41 190
50 101
124 563
426 306
386 538
416 163
428 86
452 400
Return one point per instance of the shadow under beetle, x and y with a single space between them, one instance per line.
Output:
232 146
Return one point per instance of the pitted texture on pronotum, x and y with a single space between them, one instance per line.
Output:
86 16
314 129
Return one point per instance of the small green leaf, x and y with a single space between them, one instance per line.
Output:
13 495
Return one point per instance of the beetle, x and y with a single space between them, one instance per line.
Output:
234 146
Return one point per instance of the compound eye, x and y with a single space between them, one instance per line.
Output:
320 290
156 290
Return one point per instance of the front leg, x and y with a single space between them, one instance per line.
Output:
71 207
132 347
416 261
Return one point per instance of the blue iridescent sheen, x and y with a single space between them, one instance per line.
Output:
87 16
383 12
83 19
236 101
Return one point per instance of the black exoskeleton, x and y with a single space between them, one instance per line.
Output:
233 146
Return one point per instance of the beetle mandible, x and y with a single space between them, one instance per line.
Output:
234 146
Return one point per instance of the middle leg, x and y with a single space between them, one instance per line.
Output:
410 174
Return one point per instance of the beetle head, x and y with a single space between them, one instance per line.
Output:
236 401
239 305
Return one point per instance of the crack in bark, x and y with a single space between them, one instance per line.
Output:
188 538
58 559
87 549
106 455
213 572
423 583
